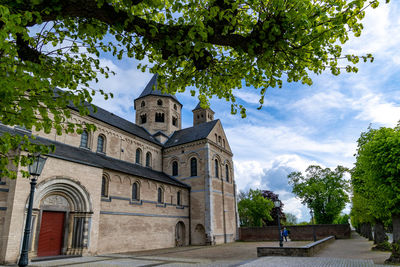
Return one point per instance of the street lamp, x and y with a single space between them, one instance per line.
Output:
313 225
35 169
277 204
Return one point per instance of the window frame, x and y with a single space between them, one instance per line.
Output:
135 191
101 136
193 167
216 168
227 173
160 195
178 198
138 156
175 168
148 160
105 185
84 139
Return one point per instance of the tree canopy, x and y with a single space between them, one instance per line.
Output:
322 190
254 209
215 46
376 183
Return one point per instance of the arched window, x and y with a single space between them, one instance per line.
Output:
148 159
100 143
216 169
143 118
216 138
193 167
227 172
159 102
175 168
138 156
84 139
104 186
143 104
219 139
160 198
178 198
159 117
175 107
174 121
135 191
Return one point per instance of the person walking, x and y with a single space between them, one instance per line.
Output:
285 233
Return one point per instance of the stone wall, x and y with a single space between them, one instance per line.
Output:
297 232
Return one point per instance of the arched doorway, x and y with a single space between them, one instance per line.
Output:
180 234
62 217
51 234
199 235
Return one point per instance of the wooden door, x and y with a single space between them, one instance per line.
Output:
51 234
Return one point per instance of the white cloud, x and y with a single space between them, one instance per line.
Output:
375 109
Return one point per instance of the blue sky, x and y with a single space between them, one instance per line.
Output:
299 125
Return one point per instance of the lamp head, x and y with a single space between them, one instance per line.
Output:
35 169
277 203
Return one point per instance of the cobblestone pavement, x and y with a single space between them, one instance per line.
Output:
310 262
348 252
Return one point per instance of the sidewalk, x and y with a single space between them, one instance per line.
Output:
357 247
345 252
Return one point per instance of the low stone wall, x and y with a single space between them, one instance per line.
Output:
304 251
297 232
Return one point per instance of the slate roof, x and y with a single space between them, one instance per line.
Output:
87 157
148 90
191 134
120 123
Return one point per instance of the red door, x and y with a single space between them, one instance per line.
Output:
51 233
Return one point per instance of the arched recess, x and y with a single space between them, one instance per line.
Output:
180 234
62 215
199 235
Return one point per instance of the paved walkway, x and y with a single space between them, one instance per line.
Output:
347 252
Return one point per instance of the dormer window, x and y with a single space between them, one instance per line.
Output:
159 102
143 118
159 117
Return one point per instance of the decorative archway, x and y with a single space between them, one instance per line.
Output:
199 235
180 234
62 215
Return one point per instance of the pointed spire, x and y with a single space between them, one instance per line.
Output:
151 89
199 107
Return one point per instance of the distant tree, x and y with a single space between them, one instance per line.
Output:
342 219
291 219
275 211
322 190
254 209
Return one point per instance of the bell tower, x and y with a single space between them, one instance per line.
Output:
201 115
157 111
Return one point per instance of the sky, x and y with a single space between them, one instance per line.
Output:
299 125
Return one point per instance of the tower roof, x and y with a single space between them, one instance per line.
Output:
151 89
199 107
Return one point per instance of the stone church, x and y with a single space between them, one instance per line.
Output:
127 186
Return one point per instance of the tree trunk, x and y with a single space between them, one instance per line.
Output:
379 233
362 232
380 237
369 232
395 257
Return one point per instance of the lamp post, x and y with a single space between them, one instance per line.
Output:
313 225
35 169
277 204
